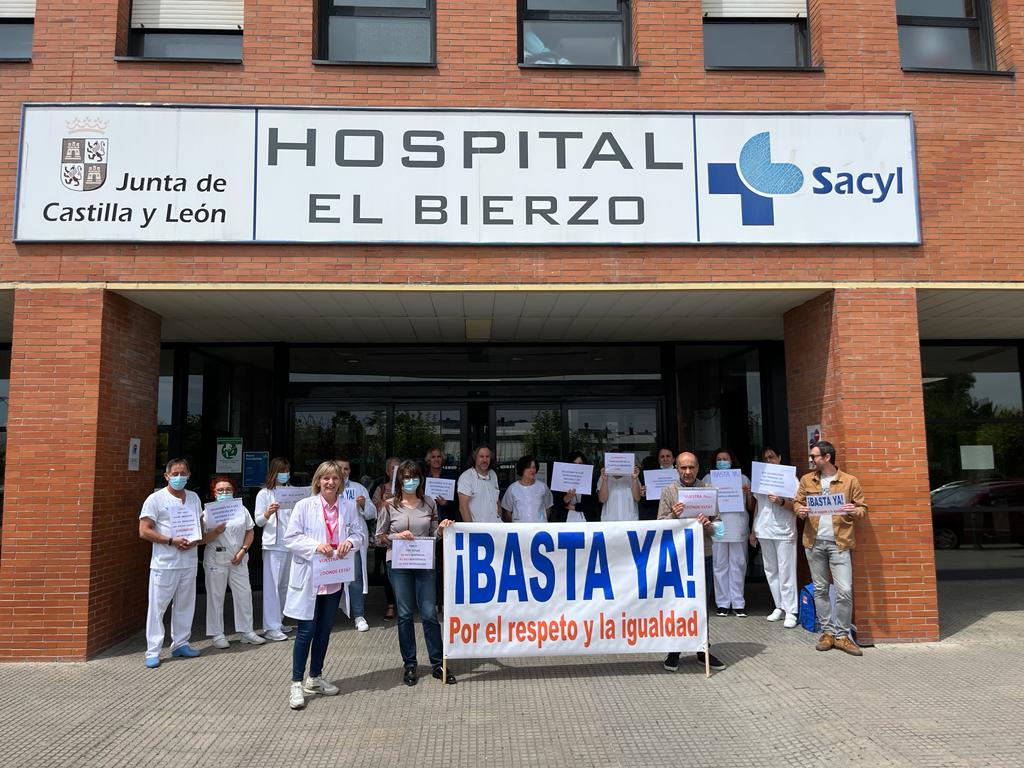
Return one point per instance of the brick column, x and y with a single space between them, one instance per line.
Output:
853 363
84 377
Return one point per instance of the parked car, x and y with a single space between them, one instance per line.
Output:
988 512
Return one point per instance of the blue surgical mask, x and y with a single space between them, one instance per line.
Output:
283 477
719 529
178 482
410 485
225 496
723 464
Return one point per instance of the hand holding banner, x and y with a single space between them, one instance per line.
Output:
184 523
825 504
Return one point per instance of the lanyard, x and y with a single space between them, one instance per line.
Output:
332 531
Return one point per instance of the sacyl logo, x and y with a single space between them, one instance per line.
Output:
756 177
760 177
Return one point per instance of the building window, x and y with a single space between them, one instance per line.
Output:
377 31
186 29
587 33
945 34
17 19
755 34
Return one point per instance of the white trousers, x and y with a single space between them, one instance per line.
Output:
729 562
175 587
779 558
276 568
218 577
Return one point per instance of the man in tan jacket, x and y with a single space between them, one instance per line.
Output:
828 541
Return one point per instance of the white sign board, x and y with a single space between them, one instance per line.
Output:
134 449
226 512
619 464
288 496
229 454
657 479
439 487
567 476
699 501
773 479
184 523
729 483
192 173
417 554
825 503
332 570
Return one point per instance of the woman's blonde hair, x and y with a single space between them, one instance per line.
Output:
326 468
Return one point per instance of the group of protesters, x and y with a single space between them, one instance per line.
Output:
331 521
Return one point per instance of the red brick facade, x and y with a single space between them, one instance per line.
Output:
84 368
76 398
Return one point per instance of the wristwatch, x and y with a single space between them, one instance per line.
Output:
170 541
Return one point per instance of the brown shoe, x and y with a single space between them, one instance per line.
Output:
847 645
826 642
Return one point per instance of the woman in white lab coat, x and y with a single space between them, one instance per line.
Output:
323 524
276 557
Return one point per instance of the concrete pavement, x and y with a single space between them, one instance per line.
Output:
957 702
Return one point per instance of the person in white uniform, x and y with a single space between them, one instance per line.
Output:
353 491
729 552
527 500
478 490
276 557
619 494
226 563
173 563
323 524
775 531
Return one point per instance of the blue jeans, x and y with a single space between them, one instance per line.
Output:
315 632
826 558
415 587
356 598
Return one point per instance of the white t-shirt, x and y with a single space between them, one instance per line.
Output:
157 507
825 528
773 522
483 495
230 541
527 503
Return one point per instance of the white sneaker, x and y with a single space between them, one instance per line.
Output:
319 685
251 638
361 624
791 621
296 699
777 614
275 635
220 642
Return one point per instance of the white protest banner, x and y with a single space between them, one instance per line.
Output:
626 587
288 497
226 512
566 476
773 479
185 523
413 553
619 464
332 570
439 486
699 501
825 504
729 483
656 480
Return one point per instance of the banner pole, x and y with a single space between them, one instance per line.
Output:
444 616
